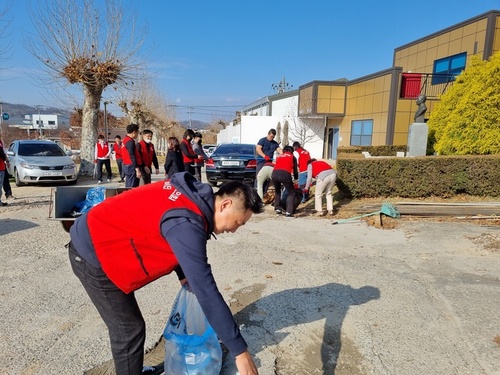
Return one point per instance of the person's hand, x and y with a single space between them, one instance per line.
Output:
200 157
267 158
138 173
245 364
147 170
305 191
95 161
157 171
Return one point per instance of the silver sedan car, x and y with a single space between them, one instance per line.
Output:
37 161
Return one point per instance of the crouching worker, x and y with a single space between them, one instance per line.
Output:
114 258
326 178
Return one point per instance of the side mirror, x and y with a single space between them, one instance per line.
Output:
10 153
69 152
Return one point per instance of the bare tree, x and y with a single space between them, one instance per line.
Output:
301 131
5 46
89 43
149 109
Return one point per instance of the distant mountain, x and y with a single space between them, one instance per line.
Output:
195 124
20 110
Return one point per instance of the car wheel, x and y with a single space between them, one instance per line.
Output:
213 183
18 179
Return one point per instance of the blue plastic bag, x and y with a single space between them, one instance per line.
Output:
191 345
94 196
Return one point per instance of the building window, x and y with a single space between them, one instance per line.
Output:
38 122
361 132
446 69
52 122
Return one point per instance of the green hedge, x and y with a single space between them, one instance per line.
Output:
415 177
373 150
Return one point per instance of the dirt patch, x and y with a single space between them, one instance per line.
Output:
487 241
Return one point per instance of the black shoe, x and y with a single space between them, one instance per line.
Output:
278 211
3 203
289 215
153 370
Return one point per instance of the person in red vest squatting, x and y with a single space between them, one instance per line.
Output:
117 149
102 157
285 165
188 154
303 158
132 162
114 258
325 177
148 156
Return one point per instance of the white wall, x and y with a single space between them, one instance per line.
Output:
253 128
59 122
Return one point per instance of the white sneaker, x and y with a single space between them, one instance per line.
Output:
99 182
108 180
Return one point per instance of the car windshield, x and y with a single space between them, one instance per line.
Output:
235 149
40 149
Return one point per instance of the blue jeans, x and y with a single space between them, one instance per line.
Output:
302 183
120 312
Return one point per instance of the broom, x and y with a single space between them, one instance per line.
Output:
386 209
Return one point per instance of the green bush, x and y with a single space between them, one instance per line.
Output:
443 176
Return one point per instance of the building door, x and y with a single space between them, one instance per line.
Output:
333 142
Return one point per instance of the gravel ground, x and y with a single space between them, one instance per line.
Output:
311 297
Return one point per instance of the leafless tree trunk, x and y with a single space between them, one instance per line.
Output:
5 46
90 43
149 109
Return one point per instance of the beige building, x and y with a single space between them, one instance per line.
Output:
379 108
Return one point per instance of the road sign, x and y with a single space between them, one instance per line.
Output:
5 116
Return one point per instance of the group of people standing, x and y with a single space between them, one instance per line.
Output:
291 174
135 160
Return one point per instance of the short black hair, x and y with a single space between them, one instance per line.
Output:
272 131
295 144
310 161
288 149
117 136
247 193
132 128
147 131
189 133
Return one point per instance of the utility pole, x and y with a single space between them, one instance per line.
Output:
190 110
39 121
281 87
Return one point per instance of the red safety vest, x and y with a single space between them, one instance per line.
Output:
304 157
125 155
118 150
147 151
131 248
284 162
102 150
185 158
319 166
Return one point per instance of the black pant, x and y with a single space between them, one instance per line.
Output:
188 167
281 177
6 184
107 164
119 163
120 312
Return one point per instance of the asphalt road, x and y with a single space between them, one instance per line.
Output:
311 297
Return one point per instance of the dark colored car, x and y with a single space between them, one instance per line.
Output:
230 162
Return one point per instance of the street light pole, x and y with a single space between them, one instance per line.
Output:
39 121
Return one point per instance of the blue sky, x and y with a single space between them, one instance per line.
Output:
218 56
